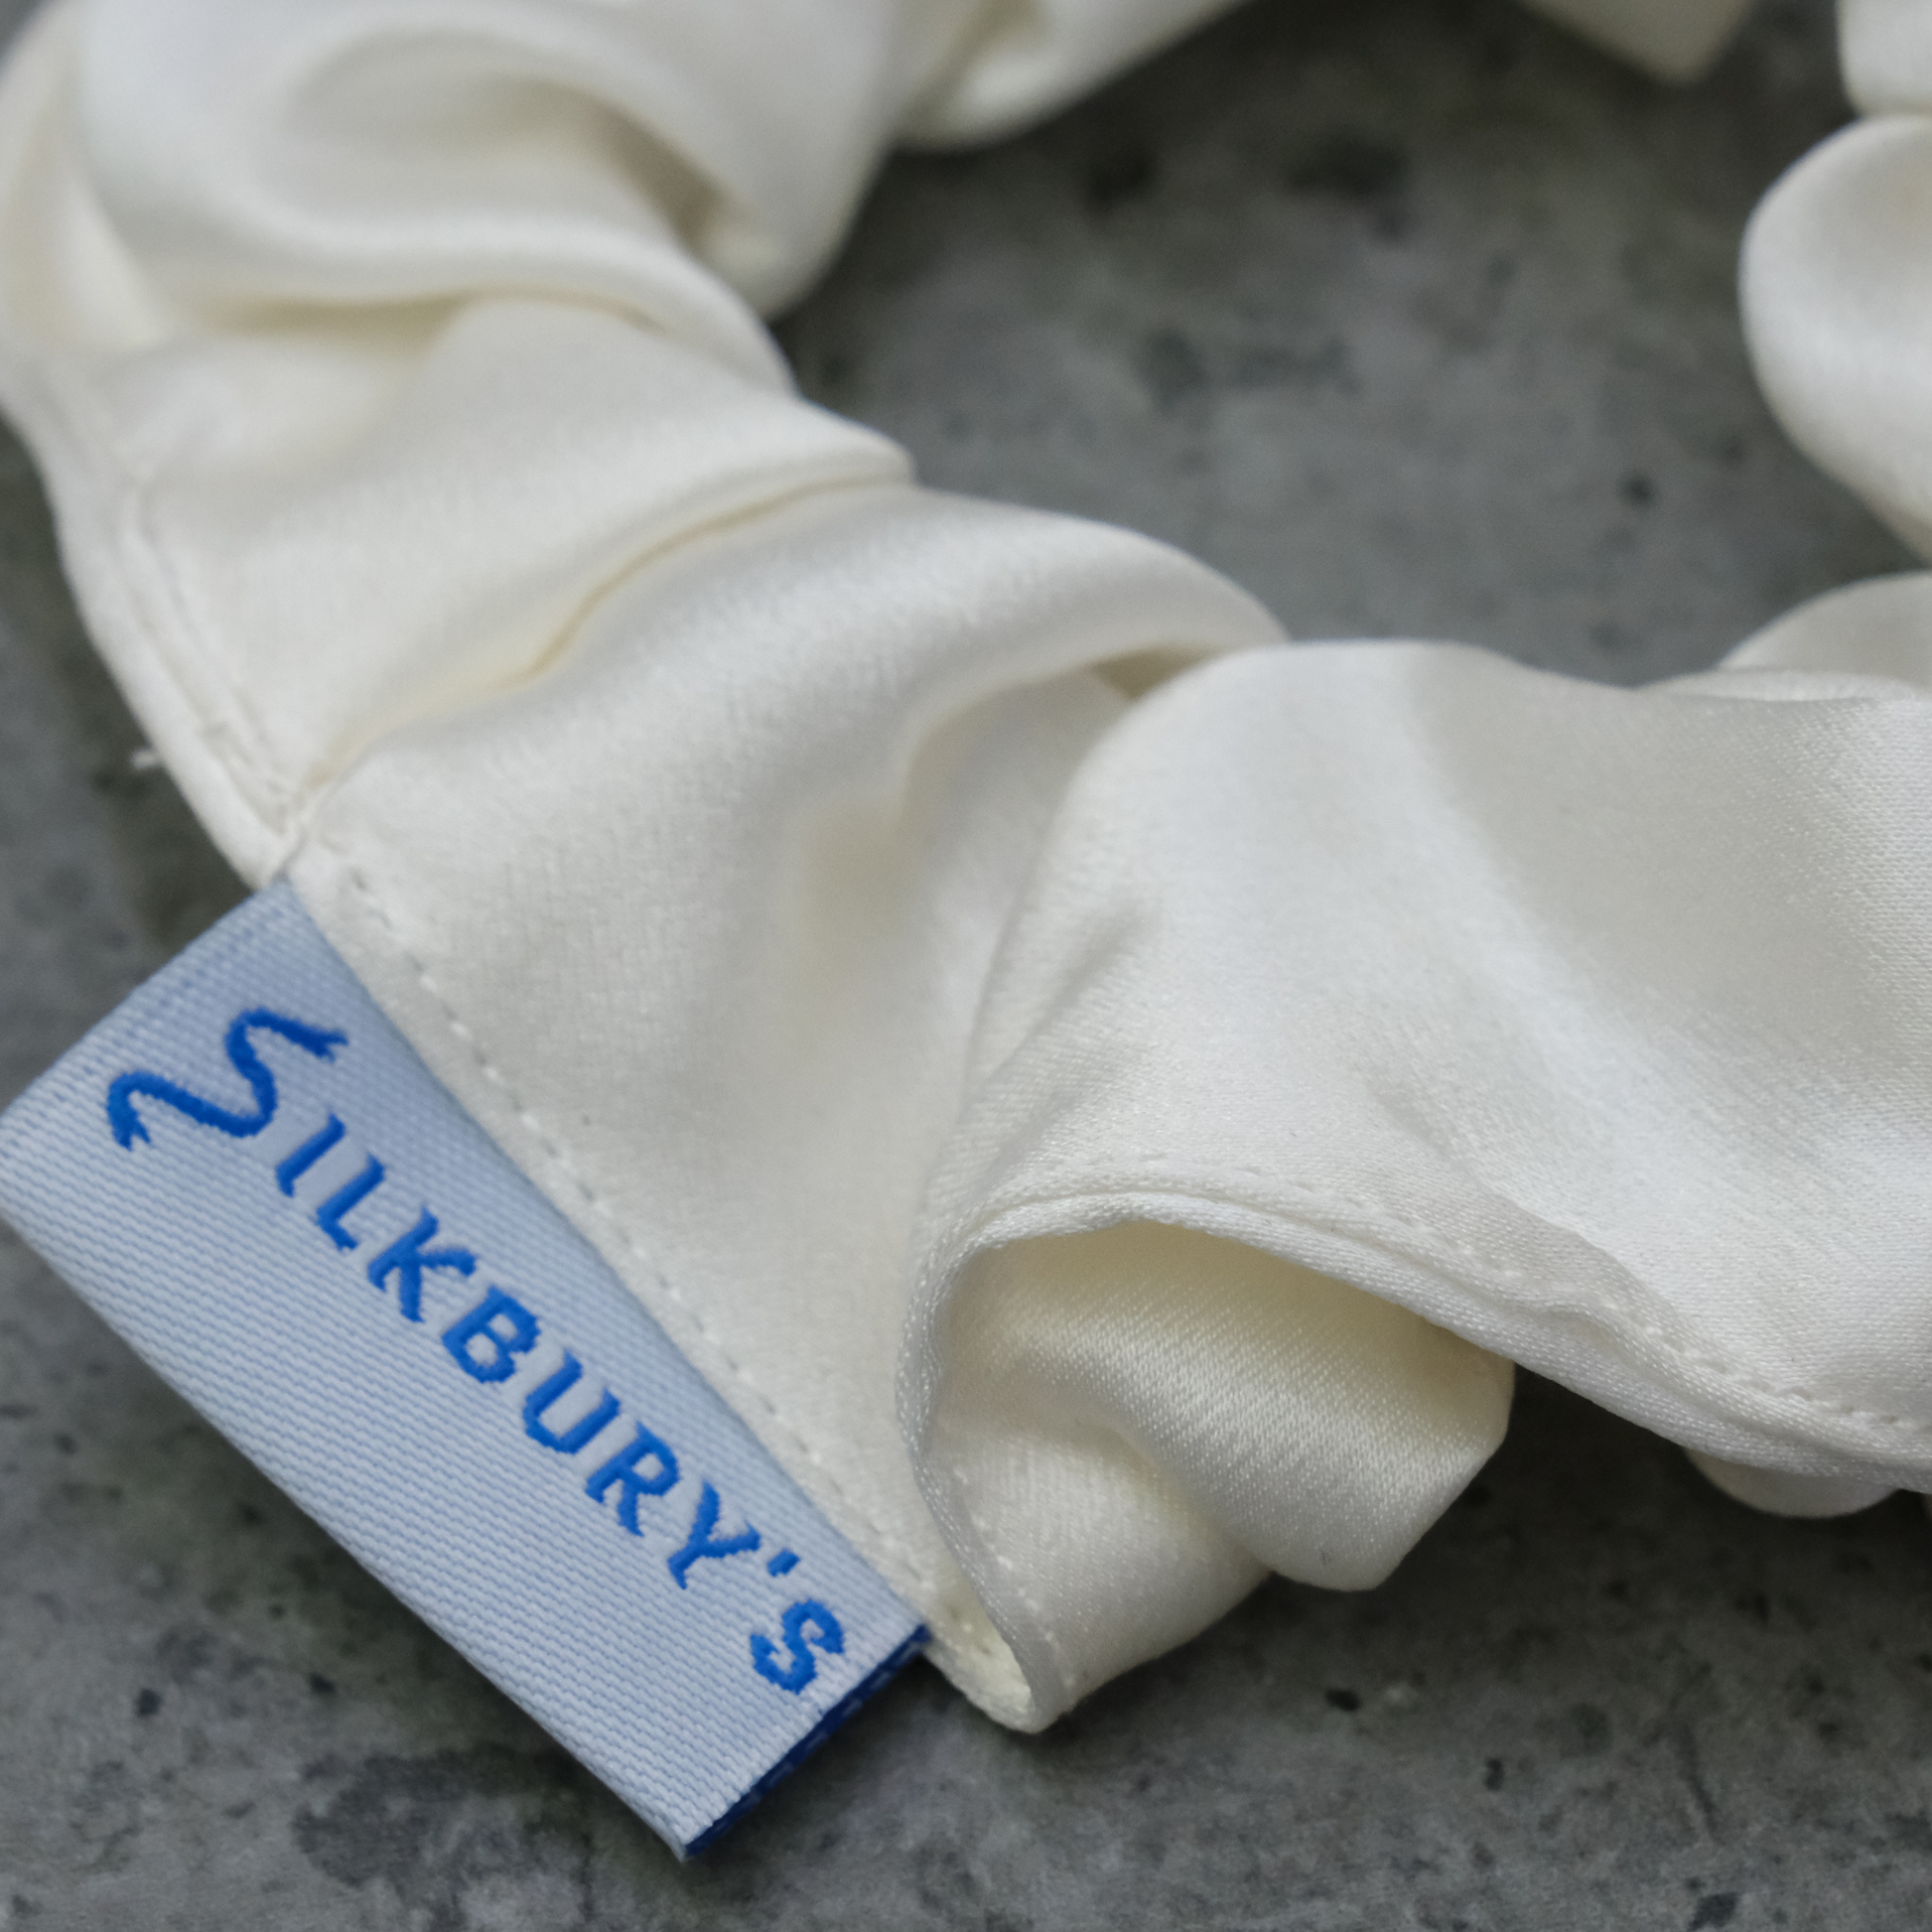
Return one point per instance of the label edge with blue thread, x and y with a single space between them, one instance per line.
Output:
171 1005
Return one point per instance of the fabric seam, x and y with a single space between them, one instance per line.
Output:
1118 1179
560 1156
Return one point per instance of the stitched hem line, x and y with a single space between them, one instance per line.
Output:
1622 1324
1043 1624
560 1156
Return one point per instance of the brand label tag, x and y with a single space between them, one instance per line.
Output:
248 1171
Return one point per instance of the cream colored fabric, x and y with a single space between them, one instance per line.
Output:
1104 1095
1888 55
1677 39
1838 277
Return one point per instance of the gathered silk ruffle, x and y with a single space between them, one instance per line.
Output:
1105 1096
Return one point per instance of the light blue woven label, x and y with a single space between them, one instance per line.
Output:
251 1175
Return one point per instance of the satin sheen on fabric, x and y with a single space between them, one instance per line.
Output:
1104 1097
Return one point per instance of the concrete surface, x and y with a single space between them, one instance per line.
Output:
1417 317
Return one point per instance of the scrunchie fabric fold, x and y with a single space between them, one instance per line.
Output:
1107 1096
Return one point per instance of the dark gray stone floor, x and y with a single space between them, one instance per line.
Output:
1418 318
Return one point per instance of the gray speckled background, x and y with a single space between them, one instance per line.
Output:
1417 317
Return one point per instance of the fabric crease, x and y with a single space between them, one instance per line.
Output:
1107 1096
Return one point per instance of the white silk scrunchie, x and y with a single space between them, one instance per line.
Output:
1104 1096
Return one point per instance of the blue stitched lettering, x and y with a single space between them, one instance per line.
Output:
701 1544
808 1625
623 1467
328 1216
406 1258
129 1127
580 1433
487 1341
517 1337
296 1165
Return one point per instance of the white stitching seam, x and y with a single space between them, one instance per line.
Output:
1121 1175
560 1156
1042 1622
1377 1214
